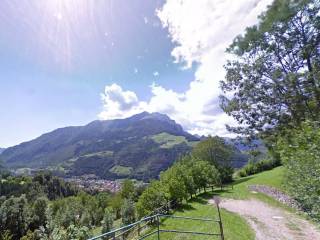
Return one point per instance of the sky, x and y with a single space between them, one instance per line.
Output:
69 62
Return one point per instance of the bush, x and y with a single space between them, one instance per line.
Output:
300 153
215 151
128 212
107 221
257 167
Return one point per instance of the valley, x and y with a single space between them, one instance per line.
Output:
139 147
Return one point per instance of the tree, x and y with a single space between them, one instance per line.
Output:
107 223
155 196
39 217
116 202
103 199
15 216
300 153
30 236
128 212
127 189
185 166
215 151
274 79
173 181
71 233
5 235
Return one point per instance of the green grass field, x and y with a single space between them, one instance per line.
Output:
121 170
273 178
167 140
234 226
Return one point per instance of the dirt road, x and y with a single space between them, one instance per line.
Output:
271 223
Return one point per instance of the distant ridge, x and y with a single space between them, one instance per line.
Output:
139 146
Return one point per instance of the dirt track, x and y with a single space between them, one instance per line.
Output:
271 223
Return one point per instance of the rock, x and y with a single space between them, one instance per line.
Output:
276 194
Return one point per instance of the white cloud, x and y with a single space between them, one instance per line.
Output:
118 103
201 30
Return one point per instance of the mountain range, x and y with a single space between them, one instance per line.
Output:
138 147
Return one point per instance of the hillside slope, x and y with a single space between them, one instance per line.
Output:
140 147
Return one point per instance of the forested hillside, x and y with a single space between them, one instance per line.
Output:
137 147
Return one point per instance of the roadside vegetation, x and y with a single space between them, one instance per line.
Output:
274 78
234 226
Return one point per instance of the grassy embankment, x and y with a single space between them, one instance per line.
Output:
234 226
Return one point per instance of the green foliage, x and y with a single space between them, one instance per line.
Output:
128 212
71 233
179 182
116 203
103 199
167 140
256 167
42 184
5 235
300 153
114 149
215 151
107 221
30 236
54 187
234 226
39 217
154 196
275 75
15 216
127 189
121 171
78 210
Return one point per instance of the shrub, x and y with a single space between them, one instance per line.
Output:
128 212
257 167
300 153
107 221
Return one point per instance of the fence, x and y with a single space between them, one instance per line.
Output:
145 228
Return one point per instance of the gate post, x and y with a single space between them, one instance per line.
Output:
158 225
217 202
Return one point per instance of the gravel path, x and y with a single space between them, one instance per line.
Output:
276 194
271 223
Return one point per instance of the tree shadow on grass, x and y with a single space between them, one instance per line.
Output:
185 207
241 180
204 197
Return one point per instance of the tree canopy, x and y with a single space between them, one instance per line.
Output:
274 77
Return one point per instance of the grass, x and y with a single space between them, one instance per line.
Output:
167 140
240 190
272 178
121 170
234 226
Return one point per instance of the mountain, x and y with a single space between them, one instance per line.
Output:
1 150
139 146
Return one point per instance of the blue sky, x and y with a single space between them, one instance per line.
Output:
70 62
